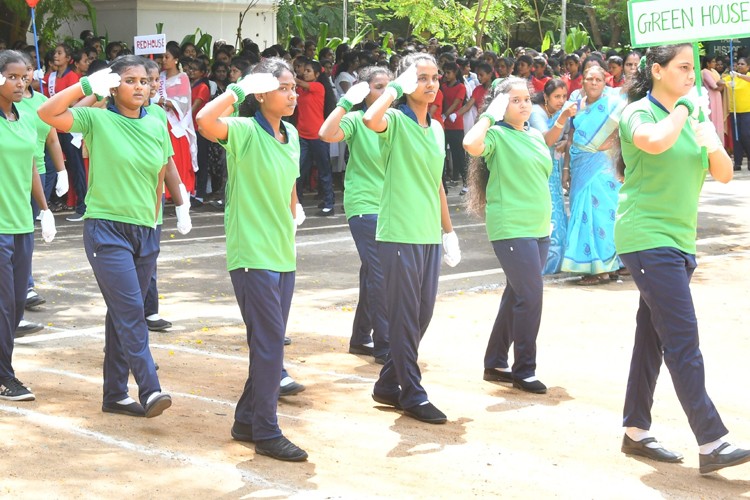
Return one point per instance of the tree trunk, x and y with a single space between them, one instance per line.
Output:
596 34
614 23
478 31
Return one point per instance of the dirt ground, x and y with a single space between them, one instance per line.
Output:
498 441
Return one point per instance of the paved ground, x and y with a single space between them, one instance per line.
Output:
498 441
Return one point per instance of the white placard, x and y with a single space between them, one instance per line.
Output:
151 44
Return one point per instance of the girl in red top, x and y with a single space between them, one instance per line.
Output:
485 74
540 77
200 95
574 78
454 95
310 117
56 82
616 70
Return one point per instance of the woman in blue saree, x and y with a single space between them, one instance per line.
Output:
589 246
550 115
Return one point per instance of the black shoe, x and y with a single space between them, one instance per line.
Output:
281 448
326 212
390 400
242 432
27 328
380 360
33 299
495 375
426 413
715 460
13 390
365 350
291 389
287 341
535 387
630 447
157 405
133 409
158 325
322 204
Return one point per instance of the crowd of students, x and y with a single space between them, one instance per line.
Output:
402 124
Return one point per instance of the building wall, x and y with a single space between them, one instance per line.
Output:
124 19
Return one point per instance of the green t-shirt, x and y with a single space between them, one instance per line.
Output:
158 112
519 204
261 174
18 139
413 159
29 105
365 171
658 203
125 158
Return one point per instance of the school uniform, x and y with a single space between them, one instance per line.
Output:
518 214
261 257
16 228
655 235
409 245
454 130
363 187
310 117
120 236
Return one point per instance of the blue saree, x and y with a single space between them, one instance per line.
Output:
559 223
590 245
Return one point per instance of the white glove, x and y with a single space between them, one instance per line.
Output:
48 225
62 186
497 107
102 81
706 136
38 75
300 217
452 254
699 102
733 74
730 84
452 117
184 223
2 80
407 81
357 93
258 83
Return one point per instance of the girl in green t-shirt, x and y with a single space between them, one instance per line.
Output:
21 180
413 208
365 174
509 186
260 217
129 150
655 233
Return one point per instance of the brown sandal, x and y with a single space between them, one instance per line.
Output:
593 280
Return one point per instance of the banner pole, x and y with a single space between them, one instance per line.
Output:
36 47
699 89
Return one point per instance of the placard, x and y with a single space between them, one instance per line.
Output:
662 22
152 44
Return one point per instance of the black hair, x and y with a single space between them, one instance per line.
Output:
68 50
539 61
122 63
325 53
150 64
95 66
523 59
272 65
110 46
479 174
409 60
450 66
280 50
329 102
186 45
269 52
347 61
342 49
77 55
705 60
572 57
486 68
200 64
294 42
240 63
615 60
593 57
86 34
491 55
215 66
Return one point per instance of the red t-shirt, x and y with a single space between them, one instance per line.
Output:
68 79
310 110
573 83
478 95
438 103
450 95
539 83
200 91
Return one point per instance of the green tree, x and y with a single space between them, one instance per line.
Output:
50 16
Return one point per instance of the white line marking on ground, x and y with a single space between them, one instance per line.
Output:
63 424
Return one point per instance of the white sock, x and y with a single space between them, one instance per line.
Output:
424 403
504 370
153 317
530 379
637 434
286 381
127 401
708 448
152 396
369 344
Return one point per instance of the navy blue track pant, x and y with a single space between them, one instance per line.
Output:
520 314
371 316
411 283
15 266
320 152
74 163
123 257
264 298
666 327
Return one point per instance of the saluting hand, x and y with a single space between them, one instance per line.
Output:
357 93
408 79
498 106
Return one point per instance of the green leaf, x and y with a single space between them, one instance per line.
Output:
322 37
